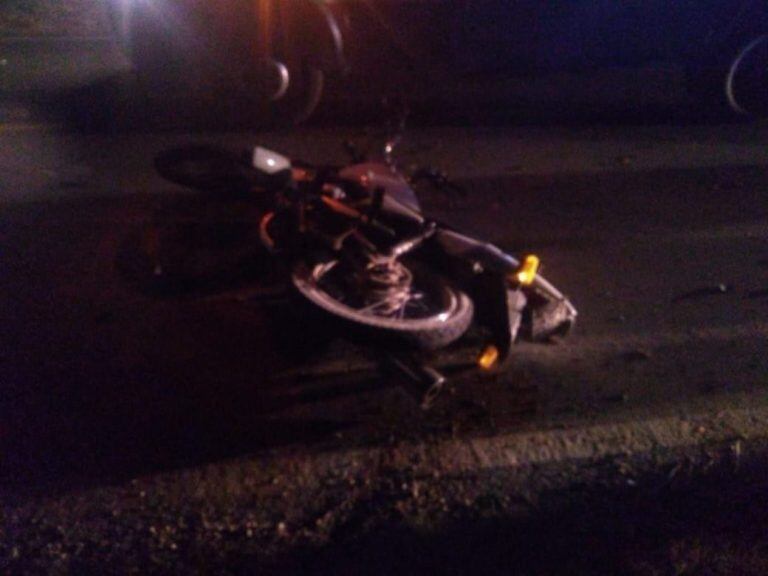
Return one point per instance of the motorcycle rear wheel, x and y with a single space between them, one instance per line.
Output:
206 168
432 316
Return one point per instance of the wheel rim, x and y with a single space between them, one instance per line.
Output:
421 306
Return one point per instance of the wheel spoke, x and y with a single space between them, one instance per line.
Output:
407 304
372 307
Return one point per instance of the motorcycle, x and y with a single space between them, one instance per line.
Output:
361 250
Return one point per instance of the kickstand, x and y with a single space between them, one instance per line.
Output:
427 381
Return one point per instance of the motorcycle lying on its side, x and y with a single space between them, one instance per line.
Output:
361 250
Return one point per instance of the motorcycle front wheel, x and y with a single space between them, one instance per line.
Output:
429 314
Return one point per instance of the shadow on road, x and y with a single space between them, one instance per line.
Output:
704 523
143 334
152 332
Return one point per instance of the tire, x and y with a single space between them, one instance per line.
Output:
305 91
746 84
308 44
447 317
205 168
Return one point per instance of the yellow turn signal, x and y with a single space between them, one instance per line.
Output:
488 358
528 270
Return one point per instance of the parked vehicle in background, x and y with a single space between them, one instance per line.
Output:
446 48
265 53
182 60
199 62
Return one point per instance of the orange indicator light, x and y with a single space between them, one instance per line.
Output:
528 269
488 358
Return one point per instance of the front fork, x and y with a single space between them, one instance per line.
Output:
509 295
500 309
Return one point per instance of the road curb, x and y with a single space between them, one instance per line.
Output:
524 464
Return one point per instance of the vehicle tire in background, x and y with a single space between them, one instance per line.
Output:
305 91
746 82
229 64
307 42
731 78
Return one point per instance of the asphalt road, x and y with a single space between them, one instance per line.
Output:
147 352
